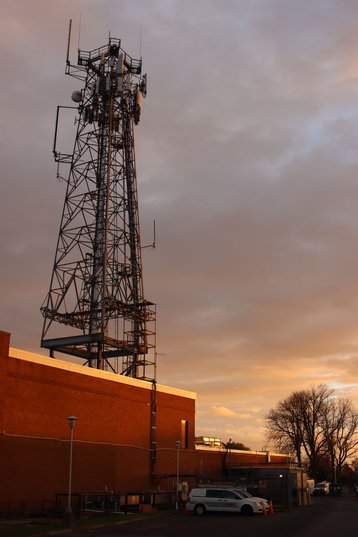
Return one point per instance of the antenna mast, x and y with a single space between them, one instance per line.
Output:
95 308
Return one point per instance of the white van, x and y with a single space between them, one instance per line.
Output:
206 499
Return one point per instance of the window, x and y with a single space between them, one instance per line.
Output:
214 493
229 494
221 493
184 434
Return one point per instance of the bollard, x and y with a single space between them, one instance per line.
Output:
271 508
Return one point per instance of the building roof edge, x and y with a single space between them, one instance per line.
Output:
20 354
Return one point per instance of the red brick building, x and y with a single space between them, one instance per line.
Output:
112 443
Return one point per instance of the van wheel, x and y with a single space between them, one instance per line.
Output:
199 509
247 510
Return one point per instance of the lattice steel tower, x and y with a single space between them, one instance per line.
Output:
95 308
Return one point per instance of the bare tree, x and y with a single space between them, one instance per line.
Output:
299 425
285 427
315 404
340 425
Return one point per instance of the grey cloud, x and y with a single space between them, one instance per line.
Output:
246 156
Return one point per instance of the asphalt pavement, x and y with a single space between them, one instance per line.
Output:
326 517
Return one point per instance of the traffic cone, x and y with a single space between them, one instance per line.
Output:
270 508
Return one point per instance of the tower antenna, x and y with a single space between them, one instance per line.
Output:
153 245
79 31
140 41
69 42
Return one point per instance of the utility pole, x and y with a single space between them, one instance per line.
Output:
71 421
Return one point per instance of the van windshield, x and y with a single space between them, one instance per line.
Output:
243 493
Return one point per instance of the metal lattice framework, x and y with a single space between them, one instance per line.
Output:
95 308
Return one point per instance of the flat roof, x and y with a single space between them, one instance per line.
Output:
201 447
97 373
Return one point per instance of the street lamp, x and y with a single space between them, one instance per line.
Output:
178 446
71 421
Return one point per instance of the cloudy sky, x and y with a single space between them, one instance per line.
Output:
247 158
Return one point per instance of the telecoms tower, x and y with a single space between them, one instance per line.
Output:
95 308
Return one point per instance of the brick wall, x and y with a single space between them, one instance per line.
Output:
111 445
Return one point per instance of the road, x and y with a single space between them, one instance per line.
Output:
327 517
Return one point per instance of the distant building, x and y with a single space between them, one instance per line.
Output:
208 441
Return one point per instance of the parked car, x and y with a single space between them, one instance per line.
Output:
206 499
321 489
246 494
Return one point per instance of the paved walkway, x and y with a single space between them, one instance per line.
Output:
326 517
339 518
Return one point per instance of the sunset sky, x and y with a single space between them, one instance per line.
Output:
247 159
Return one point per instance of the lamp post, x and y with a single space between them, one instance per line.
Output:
71 421
178 446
